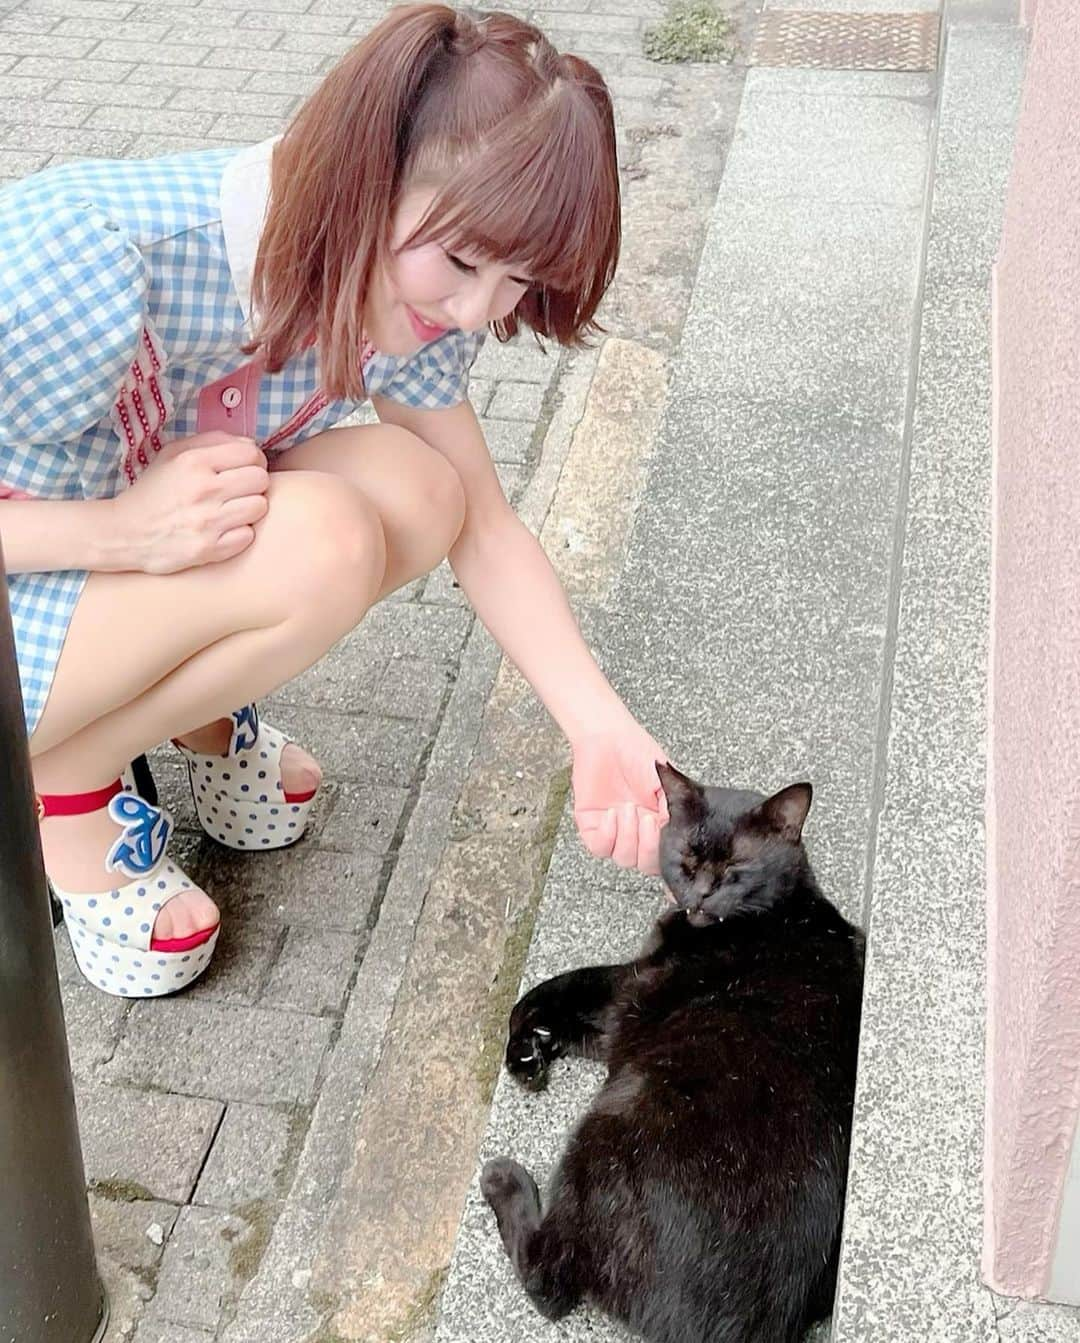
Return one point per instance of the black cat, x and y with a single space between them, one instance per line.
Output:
700 1199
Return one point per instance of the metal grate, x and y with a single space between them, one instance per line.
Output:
825 41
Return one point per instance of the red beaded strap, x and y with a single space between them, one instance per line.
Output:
76 804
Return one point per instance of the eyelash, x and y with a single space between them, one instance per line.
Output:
466 269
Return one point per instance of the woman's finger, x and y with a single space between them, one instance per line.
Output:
625 850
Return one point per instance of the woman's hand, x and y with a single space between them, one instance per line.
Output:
197 503
619 805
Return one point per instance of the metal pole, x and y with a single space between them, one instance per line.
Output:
49 1286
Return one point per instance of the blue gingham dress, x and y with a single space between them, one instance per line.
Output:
118 304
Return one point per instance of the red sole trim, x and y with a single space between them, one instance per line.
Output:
167 944
300 797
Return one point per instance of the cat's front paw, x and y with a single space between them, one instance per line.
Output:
529 1053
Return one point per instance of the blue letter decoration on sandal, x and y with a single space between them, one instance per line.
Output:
246 728
146 834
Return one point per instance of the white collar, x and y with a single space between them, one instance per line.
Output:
245 194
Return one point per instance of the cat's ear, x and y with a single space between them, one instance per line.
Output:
785 812
685 798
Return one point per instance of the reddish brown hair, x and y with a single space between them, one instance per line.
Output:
518 140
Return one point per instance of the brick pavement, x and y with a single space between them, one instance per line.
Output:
194 1110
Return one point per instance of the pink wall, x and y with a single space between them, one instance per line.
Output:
1034 783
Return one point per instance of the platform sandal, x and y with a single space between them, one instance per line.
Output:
111 931
239 797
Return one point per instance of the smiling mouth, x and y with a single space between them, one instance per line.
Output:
424 329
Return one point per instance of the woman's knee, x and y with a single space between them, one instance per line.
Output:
443 499
432 491
325 543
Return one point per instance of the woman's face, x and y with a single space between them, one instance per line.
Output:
422 292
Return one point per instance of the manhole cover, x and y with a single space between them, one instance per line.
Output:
824 41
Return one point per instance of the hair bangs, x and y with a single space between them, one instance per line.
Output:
541 193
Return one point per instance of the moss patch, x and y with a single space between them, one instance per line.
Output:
247 1251
121 1191
420 1312
515 949
694 30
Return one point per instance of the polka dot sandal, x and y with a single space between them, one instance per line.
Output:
111 930
239 798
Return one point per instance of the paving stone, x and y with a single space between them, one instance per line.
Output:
246 103
348 674
356 746
105 31
181 13
246 128
80 142
149 121
256 39
513 480
14 164
282 82
296 23
443 588
94 67
247 1160
246 951
93 1019
594 44
165 1331
413 688
313 972
298 885
521 360
480 390
403 631
363 816
287 62
328 44
517 401
195 77
120 1228
40 44
509 440
97 92
144 1140
197 1272
25 86
20 22
224 1052
128 1291
156 145
90 10
149 53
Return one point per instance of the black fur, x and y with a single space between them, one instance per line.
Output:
700 1199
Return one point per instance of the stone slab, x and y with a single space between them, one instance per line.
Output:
363 816
1037 1322
748 625
914 1218
578 925
151 1142
223 1052
131 1232
831 147
313 972
805 304
248 1160
199 1270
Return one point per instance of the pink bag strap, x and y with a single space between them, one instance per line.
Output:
231 404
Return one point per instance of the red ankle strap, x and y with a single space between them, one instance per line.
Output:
76 804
